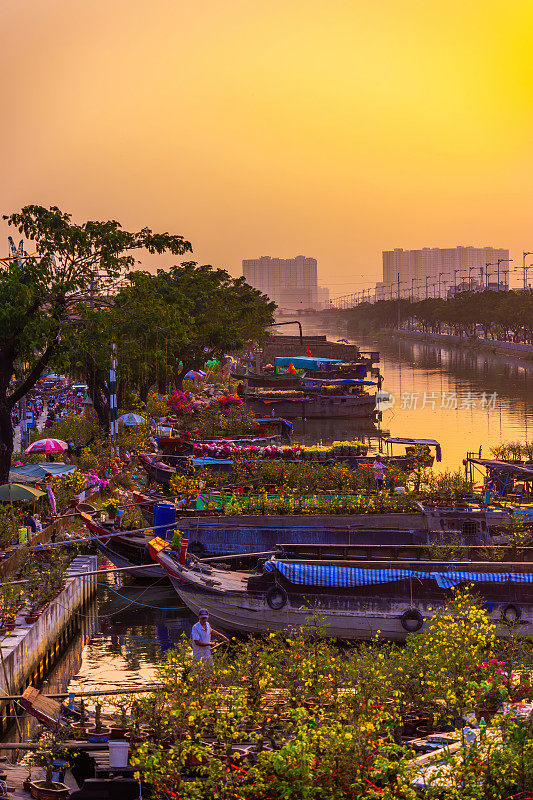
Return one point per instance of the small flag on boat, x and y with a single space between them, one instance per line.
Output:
291 369
308 352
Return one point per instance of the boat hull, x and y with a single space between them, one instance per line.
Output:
357 619
336 407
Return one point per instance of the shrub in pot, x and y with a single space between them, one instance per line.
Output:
99 733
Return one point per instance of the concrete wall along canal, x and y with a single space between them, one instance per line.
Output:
30 650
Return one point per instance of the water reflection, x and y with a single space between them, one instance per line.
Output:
136 624
422 377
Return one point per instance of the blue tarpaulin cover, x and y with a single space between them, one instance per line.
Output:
33 473
304 362
344 577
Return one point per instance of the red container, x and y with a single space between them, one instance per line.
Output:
183 550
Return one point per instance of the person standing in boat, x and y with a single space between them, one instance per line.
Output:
379 468
201 638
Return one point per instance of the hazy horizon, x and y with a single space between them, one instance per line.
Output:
330 129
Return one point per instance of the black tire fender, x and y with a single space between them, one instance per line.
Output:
511 613
276 598
411 620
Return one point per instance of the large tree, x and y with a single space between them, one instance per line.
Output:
221 313
39 292
164 325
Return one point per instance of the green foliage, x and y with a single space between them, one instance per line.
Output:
497 312
291 715
66 487
513 451
300 503
6 525
80 429
445 485
39 293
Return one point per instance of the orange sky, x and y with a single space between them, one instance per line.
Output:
331 128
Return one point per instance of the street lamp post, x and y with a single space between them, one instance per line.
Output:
427 278
455 279
487 265
501 261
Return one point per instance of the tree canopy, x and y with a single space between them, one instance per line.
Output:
71 264
502 315
165 325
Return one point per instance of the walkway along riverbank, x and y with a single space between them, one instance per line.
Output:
29 651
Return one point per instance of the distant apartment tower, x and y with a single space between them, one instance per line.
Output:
423 273
322 297
290 282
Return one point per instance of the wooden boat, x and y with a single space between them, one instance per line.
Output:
349 601
49 712
125 551
156 470
221 535
309 405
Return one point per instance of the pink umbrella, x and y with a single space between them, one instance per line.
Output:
47 446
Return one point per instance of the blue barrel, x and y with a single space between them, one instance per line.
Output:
163 520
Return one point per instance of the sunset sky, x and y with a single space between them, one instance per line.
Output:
330 128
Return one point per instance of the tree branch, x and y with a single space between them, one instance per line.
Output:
32 376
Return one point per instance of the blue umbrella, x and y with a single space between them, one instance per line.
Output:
132 419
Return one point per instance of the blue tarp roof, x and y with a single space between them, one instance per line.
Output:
344 577
304 362
32 473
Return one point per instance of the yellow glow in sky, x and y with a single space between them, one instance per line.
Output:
331 128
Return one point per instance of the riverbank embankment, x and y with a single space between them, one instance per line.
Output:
512 349
28 652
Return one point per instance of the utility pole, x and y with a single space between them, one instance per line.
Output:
113 421
524 271
398 301
500 261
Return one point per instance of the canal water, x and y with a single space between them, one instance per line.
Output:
462 398
131 625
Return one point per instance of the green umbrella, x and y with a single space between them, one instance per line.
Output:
16 491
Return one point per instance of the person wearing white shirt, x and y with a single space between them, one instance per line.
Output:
201 637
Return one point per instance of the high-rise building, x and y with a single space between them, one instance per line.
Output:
322 297
290 282
423 273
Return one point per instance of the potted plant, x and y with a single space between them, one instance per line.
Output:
26 783
49 789
111 507
83 723
120 730
99 734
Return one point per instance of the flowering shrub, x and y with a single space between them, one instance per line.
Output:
180 402
318 504
66 486
490 690
225 401
93 480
